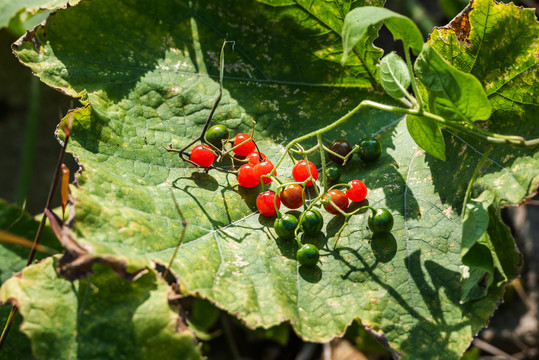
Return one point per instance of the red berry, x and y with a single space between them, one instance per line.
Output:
265 203
246 177
357 191
301 173
263 168
202 155
339 198
291 196
255 157
245 148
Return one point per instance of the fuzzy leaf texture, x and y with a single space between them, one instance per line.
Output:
151 79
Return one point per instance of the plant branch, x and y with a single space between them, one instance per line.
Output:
42 223
472 180
415 88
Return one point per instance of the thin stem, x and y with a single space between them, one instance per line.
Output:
7 326
472 180
323 160
275 206
337 208
415 88
296 234
311 178
220 93
338 234
52 190
42 223
306 152
347 217
488 136
472 130
320 131
344 158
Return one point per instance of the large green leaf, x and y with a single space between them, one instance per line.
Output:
68 320
497 43
151 79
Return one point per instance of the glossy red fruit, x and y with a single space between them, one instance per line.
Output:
263 168
255 157
339 198
265 203
202 155
357 191
300 172
246 176
291 196
245 148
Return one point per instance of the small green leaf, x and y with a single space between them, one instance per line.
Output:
494 249
359 20
475 221
475 280
504 252
427 134
475 251
394 76
62 318
452 93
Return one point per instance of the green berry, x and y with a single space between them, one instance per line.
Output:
216 134
333 173
308 255
370 149
381 221
285 226
312 222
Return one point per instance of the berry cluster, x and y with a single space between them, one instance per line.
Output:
256 169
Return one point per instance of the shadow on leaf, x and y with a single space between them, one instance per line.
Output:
310 274
384 246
